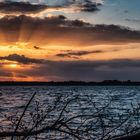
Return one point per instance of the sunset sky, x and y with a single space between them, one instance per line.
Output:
60 40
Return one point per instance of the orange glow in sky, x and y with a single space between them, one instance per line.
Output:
56 44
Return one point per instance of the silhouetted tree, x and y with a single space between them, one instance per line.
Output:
60 119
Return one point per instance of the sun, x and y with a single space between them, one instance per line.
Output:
13 65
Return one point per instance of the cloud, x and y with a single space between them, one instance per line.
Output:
61 31
132 20
74 70
86 70
5 74
76 54
20 7
115 63
21 59
37 48
89 6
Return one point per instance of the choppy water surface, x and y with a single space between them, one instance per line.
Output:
121 98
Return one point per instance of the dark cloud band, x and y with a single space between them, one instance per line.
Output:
20 7
88 70
61 31
76 70
9 7
21 59
73 54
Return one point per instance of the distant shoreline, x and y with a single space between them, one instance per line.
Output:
72 83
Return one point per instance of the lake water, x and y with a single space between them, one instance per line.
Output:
121 99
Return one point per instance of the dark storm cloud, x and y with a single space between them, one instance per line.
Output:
115 63
20 7
87 70
82 5
9 7
77 70
61 31
21 59
77 53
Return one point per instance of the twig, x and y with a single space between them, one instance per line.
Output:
26 107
